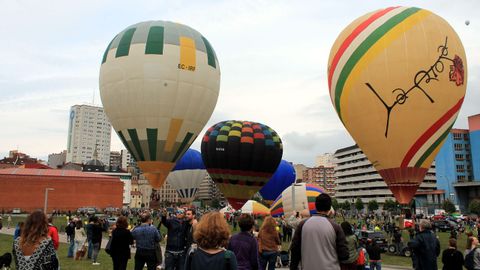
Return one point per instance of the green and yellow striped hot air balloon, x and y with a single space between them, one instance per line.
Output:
159 83
397 79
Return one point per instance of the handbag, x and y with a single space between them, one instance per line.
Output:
108 247
158 253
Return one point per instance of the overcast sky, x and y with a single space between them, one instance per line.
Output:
273 58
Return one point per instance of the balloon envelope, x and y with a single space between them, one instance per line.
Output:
255 208
296 198
283 177
187 175
159 83
397 79
241 156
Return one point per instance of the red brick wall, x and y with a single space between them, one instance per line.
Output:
27 192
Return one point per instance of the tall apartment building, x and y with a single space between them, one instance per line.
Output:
357 178
208 190
458 164
321 176
299 169
88 127
127 159
115 159
166 194
57 159
325 160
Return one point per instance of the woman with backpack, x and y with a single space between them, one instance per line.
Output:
472 254
211 235
352 244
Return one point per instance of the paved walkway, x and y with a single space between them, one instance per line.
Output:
63 239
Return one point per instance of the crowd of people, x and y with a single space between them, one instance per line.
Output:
317 242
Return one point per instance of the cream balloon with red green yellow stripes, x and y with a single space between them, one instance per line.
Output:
397 80
159 84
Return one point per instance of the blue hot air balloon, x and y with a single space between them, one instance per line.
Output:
187 175
283 177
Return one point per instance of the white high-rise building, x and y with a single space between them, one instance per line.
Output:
127 159
88 127
357 178
325 160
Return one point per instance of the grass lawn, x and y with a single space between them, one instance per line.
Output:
106 262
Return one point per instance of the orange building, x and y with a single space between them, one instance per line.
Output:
25 189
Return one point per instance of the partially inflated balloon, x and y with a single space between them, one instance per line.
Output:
241 156
159 83
255 208
296 198
397 80
283 177
187 175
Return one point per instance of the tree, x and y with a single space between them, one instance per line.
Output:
389 205
474 206
335 204
345 205
359 204
215 203
448 206
372 205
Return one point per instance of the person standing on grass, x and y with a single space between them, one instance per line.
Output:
319 242
70 231
34 250
352 244
145 236
268 242
244 245
18 230
190 223
79 238
176 240
452 259
53 233
425 248
374 255
9 221
88 229
211 235
120 245
97 235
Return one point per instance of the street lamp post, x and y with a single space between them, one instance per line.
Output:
293 193
46 199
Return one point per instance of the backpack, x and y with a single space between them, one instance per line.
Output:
361 257
69 230
469 263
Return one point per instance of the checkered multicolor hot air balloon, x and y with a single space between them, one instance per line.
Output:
397 79
241 156
305 195
159 83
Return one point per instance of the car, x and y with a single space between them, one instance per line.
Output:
438 217
378 237
405 250
112 220
444 225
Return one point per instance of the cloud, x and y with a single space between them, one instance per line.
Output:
273 58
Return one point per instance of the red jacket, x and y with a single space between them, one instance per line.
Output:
53 234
